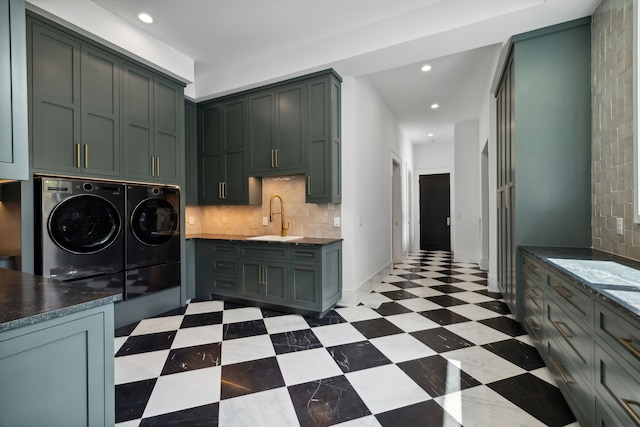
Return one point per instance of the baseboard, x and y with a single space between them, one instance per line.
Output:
136 309
492 284
351 297
484 264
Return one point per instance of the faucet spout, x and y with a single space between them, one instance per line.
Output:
283 228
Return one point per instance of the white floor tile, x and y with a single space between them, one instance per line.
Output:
139 367
117 343
471 297
472 311
204 307
245 349
184 390
158 324
391 278
288 323
374 300
427 282
309 365
402 347
355 314
483 365
197 335
341 333
431 275
480 407
545 375
241 315
385 287
370 421
132 423
477 333
411 322
466 270
470 286
424 292
385 388
266 408
418 304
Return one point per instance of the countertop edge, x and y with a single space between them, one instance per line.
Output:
305 241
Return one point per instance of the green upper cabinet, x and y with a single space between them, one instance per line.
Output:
14 153
277 130
222 138
76 105
152 139
191 153
324 140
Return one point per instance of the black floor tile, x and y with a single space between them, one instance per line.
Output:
357 356
272 313
450 272
327 402
425 414
447 289
497 306
441 340
375 328
175 312
391 308
243 329
448 279
243 378
331 318
496 295
289 342
517 352
410 276
437 376
398 295
539 398
132 398
505 325
190 358
200 416
145 343
446 300
202 319
407 284
444 317
125 331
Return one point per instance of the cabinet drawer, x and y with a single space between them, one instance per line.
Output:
225 250
224 266
534 269
225 285
571 299
579 395
576 343
617 386
266 251
621 335
306 255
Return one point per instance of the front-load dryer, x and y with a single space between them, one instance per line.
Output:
152 239
80 231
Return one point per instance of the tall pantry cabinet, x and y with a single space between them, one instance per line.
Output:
543 148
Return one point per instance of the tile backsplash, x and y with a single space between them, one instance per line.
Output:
304 219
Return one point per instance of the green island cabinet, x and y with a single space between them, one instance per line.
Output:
222 155
543 148
305 279
97 114
592 350
59 372
14 153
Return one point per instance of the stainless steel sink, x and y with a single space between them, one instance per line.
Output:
275 238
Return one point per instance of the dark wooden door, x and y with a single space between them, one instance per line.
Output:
435 233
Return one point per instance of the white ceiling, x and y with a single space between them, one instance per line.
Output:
238 44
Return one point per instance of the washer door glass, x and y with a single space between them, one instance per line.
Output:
154 221
84 224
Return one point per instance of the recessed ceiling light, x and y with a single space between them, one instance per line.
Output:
145 17
426 68
429 134
434 106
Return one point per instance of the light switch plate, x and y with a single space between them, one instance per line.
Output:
619 226
265 220
336 221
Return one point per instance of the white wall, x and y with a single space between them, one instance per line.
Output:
467 195
428 159
371 137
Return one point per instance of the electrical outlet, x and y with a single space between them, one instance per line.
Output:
265 221
336 221
192 220
619 226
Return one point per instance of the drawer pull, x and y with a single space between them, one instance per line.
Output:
563 375
629 346
225 285
560 290
532 324
532 293
304 254
567 333
628 406
303 267
224 249
226 265
533 268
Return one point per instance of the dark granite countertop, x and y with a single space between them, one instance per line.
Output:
305 241
26 299
613 279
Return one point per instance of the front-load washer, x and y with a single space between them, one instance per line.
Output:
80 231
152 239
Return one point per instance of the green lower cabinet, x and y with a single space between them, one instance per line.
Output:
306 286
59 372
265 281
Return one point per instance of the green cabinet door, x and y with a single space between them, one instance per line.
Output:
261 133
14 153
138 159
190 153
290 127
55 65
211 146
168 103
235 189
306 286
265 281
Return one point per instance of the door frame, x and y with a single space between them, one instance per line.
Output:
397 211
416 203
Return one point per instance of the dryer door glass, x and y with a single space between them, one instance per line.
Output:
84 224
154 221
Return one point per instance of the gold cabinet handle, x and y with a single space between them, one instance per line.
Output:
309 185
153 166
565 333
532 293
264 274
224 189
273 162
628 344
158 166
507 204
86 156
563 375
303 267
532 324
225 266
77 155
303 254
628 406
220 190
563 293
533 268
277 159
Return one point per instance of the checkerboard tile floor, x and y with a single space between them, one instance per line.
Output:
430 346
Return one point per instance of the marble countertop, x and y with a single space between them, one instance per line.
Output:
613 279
26 299
308 241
